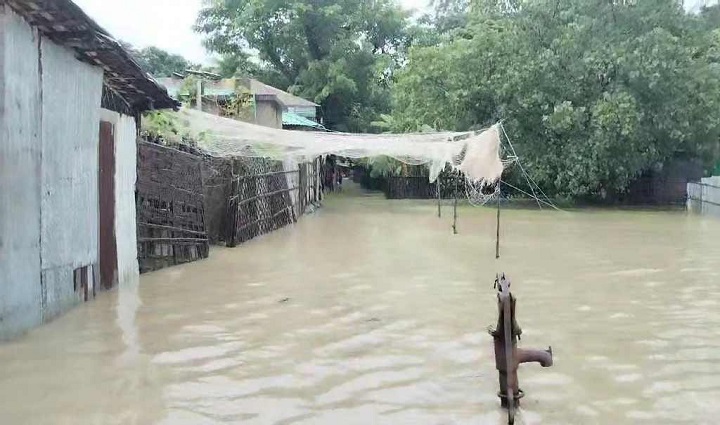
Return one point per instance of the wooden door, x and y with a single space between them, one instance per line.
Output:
108 245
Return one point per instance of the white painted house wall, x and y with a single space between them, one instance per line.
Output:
125 133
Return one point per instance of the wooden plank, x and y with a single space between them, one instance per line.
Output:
270 174
266 195
173 240
172 228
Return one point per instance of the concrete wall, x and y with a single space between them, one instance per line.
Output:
20 147
125 179
268 114
48 175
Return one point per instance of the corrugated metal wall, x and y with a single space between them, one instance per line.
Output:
71 93
20 147
48 176
704 197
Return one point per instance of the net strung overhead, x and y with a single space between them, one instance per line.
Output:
476 154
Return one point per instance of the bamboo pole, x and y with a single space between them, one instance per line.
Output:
438 197
171 228
497 235
455 215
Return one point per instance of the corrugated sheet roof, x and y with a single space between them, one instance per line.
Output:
66 24
295 120
288 99
226 87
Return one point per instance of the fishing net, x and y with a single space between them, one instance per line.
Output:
476 154
480 194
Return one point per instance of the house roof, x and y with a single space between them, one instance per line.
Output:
257 87
295 120
63 22
226 87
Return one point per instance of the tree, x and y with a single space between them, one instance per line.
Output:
592 93
237 65
160 63
339 53
448 15
710 17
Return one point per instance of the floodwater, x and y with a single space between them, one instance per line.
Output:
373 312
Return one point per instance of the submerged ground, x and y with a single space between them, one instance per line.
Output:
371 311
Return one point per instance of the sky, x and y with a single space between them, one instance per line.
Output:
166 24
694 5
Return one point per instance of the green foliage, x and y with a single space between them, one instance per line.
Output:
340 53
165 127
592 93
241 105
383 166
388 124
448 15
160 63
188 90
160 123
237 64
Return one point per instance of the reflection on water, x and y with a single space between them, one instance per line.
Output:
127 306
373 312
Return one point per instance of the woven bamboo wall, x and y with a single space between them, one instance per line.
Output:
186 200
170 207
415 184
265 195
418 187
217 183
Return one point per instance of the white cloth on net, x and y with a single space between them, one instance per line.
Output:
478 152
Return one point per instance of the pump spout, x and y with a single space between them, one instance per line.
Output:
544 357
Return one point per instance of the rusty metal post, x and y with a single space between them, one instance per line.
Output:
508 356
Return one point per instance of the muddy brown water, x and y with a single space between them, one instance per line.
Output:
373 312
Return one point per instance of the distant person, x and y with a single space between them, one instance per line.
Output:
330 173
329 179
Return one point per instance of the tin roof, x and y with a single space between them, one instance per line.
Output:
226 87
288 99
295 120
63 22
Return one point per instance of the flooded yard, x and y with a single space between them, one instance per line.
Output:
373 312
